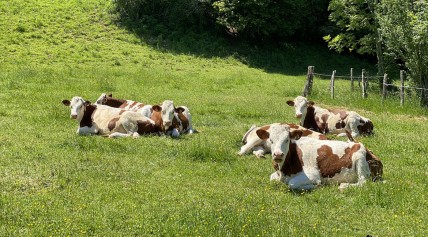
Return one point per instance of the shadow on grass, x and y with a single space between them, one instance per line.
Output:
287 58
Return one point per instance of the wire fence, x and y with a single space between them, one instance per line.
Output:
362 82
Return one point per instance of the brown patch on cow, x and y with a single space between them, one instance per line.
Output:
293 161
122 111
146 127
113 102
293 126
340 124
310 122
266 127
322 123
141 105
342 114
157 118
330 164
184 121
87 118
375 165
112 124
134 104
365 128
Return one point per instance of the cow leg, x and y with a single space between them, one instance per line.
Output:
301 182
251 143
119 134
362 169
87 130
259 151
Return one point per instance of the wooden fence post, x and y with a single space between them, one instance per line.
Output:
333 75
352 79
385 79
309 81
363 83
402 87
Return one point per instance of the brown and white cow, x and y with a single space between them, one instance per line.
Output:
304 162
106 120
330 121
260 147
171 120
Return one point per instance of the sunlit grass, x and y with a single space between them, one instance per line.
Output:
55 183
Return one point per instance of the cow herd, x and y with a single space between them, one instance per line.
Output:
302 155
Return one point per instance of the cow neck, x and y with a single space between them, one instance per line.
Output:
309 120
293 160
87 116
113 102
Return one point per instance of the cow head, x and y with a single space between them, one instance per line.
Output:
102 100
301 105
77 106
278 136
167 113
366 127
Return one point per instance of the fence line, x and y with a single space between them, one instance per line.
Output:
363 78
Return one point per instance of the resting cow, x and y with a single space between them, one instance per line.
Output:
259 147
106 120
330 121
169 119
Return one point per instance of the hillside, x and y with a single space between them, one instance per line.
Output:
56 183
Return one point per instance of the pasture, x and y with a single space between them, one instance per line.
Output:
55 183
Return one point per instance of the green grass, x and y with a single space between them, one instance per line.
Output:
55 183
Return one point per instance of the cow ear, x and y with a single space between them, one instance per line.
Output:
311 103
290 103
87 102
296 134
157 108
179 110
263 134
110 95
66 102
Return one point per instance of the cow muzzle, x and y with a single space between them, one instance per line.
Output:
277 157
298 115
73 116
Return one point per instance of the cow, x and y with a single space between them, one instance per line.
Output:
131 105
260 147
303 163
105 120
170 119
330 121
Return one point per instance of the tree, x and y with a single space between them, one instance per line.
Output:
357 28
404 29
266 19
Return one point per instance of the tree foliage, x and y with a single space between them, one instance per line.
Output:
357 26
404 29
279 19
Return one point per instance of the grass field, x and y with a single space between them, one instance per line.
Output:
55 183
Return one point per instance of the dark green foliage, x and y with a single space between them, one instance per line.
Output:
255 21
278 20
173 15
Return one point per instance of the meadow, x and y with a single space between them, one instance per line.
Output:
56 183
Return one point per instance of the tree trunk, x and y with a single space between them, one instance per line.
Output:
424 86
